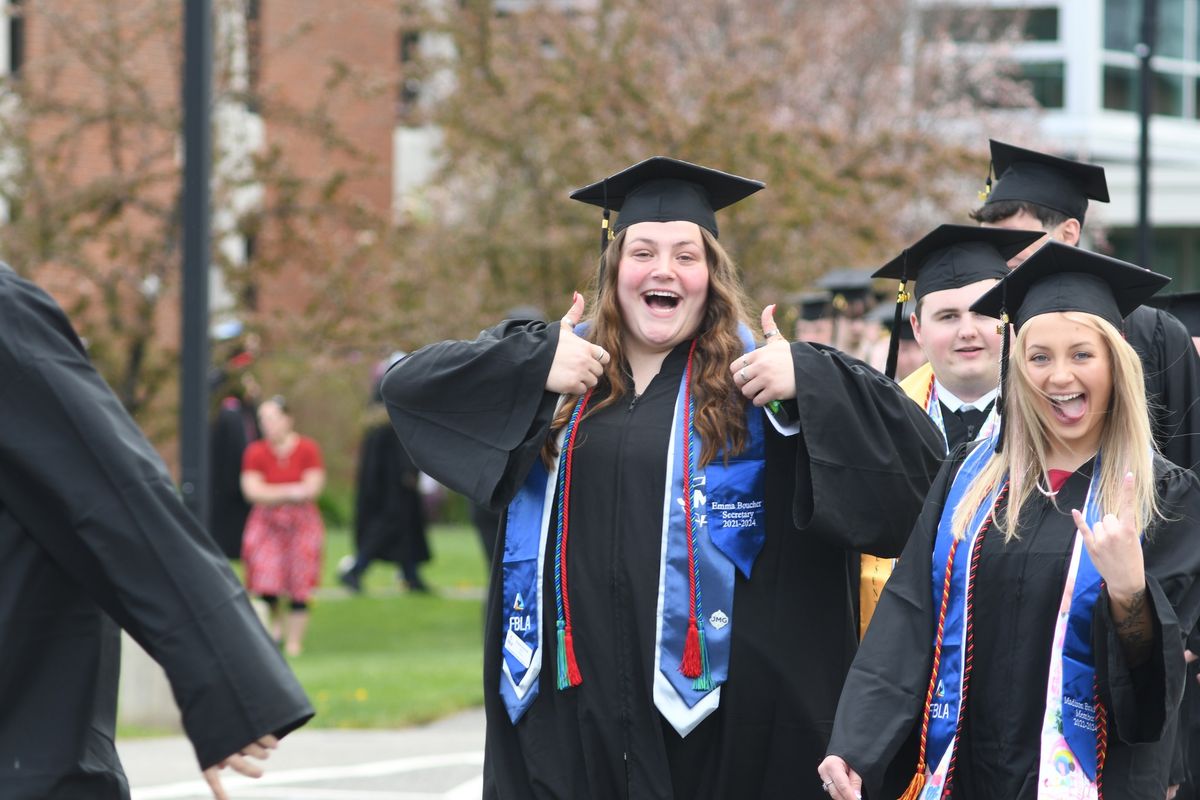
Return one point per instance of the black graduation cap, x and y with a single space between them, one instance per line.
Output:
1032 177
954 256
813 305
846 286
1060 277
950 257
662 189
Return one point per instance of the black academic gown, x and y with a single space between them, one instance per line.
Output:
93 536
1172 372
1017 595
389 520
475 414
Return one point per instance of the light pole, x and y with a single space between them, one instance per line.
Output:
197 162
1145 52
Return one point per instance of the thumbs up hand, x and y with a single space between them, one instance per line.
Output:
767 374
578 364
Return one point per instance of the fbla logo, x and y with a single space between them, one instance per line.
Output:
519 603
941 689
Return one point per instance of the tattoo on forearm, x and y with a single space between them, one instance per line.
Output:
1134 627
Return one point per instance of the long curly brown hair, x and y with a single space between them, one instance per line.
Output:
720 406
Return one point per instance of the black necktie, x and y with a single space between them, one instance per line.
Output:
972 419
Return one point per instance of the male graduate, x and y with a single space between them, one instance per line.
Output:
94 538
953 266
1038 192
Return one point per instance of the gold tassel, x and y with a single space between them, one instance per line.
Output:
914 787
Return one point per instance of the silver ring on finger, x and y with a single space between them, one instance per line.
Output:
768 335
742 374
824 786
600 354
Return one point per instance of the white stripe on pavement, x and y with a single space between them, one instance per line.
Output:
471 790
175 791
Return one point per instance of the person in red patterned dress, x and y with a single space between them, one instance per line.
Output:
282 474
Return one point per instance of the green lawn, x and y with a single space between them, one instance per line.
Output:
387 657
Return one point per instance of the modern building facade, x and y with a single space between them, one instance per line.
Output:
1080 58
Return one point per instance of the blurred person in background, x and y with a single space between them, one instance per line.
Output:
282 476
813 321
234 426
389 517
850 298
94 538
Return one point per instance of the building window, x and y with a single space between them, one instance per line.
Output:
16 36
1046 81
1121 91
1123 26
1176 252
976 24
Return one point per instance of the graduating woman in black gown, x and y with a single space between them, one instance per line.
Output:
1029 644
682 627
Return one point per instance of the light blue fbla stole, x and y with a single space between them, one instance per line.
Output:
1077 703
726 504
521 575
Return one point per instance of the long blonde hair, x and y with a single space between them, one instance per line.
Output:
720 407
1125 440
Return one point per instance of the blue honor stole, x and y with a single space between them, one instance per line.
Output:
726 504
728 532
522 573
1077 704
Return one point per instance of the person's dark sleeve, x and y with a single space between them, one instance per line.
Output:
1144 699
1173 385
866 456
884 693
80 478
474 415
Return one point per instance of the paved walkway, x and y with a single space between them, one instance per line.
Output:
439 761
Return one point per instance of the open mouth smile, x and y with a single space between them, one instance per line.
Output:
1069 408
662 300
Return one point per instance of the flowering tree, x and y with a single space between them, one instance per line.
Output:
866 122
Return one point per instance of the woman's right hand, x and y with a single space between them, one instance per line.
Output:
578 364
841 782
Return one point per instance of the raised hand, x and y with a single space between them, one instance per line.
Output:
1115 546
767 374
578 364
1116 550
239 762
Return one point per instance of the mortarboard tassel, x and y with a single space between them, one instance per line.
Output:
1002 396
902 297
893 355
987 185
568 667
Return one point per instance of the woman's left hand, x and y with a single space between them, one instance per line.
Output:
1116 547
768 373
